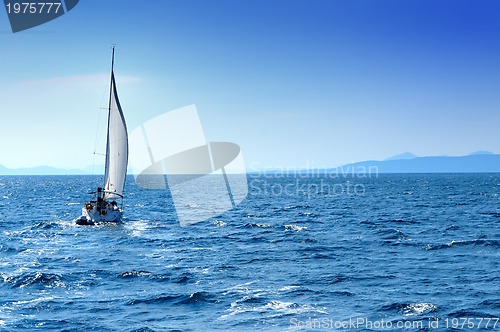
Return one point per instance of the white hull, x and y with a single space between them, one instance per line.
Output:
108 213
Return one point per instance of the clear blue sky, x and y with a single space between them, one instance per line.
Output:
294 83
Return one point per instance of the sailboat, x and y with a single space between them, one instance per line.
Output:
105 208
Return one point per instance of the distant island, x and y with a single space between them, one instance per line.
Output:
48 170
476 162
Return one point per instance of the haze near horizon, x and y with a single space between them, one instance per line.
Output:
290 82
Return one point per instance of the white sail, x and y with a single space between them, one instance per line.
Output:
116 148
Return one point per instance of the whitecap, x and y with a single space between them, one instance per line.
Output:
280 305
240 288
416 309
37 300
273 308
219 223
295 228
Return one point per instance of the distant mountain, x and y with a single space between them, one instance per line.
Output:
403 156
480 153
3 170
476 163
45 170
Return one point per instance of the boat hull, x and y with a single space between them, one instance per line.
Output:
92 215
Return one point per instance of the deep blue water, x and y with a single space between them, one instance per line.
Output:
405 249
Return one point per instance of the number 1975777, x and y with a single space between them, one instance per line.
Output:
33 7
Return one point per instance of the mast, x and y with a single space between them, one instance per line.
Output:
106 164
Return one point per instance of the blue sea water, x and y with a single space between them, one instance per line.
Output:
301 252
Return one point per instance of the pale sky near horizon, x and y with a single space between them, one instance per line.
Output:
293 82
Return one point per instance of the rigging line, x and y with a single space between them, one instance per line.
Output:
111 87
98 128
99 116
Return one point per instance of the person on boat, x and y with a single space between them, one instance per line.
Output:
100 201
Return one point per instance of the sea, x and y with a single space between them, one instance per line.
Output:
302 252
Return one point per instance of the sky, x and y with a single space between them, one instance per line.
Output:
295 83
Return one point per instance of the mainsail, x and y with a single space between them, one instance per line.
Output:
116 147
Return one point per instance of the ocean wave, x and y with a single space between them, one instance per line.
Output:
252 225
320 248
184 278
411 309
342 293
321 256
472 312
147 329
417 309
491 214
199 297
401 221
219 223
299 291
334 279
33 302
296 228
6 249
33 279
393 234
257 260
272 309
293 207
194 298
156 299
465 243
495 303
136 273
288 288
44 225
254 215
